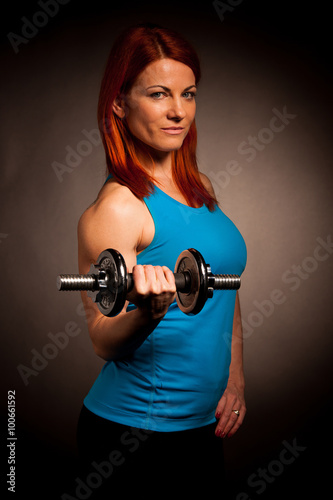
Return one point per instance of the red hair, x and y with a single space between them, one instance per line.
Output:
133 50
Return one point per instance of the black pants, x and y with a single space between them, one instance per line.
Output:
120 460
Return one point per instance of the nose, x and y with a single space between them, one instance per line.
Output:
176 111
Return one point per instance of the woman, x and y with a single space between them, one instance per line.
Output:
172 384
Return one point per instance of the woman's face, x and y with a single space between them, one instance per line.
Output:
160 107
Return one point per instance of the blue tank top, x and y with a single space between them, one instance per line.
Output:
175 379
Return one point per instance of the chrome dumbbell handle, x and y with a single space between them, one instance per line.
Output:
77 282
90 282
225 281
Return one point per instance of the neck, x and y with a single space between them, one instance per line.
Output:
157 163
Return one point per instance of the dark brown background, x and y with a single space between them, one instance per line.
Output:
262 56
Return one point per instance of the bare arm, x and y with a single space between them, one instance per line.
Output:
236 371
117 220
233 396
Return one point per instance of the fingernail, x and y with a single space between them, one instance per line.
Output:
223 435
217 415
218 433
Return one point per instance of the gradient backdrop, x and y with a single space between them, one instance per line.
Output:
264 121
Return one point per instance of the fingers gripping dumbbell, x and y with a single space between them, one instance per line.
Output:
108 282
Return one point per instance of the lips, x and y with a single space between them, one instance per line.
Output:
173 130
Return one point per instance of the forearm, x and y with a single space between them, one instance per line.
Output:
118 337
236 370
231 408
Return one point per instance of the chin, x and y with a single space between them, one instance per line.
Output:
170 145
166 146
169 149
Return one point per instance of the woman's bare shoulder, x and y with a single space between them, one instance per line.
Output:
113 199
114 220
207 183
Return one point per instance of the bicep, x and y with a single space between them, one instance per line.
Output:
107 227
102 227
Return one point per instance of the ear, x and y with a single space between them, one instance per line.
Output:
118 107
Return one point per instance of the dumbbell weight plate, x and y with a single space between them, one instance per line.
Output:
111 296
191 261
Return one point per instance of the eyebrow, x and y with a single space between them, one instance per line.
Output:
168 90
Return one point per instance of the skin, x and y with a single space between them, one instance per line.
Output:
163 96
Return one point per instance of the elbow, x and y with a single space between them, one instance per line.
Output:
107 354
102 353
102 349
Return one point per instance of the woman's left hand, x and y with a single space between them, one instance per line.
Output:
228 421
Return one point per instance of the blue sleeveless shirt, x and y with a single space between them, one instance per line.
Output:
175 379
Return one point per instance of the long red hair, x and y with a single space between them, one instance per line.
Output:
133 50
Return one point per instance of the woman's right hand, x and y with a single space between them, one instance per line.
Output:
154 290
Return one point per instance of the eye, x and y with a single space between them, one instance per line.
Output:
157 95
189 95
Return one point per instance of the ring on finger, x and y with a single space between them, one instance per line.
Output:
236 412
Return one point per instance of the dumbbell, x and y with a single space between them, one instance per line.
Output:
108 282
